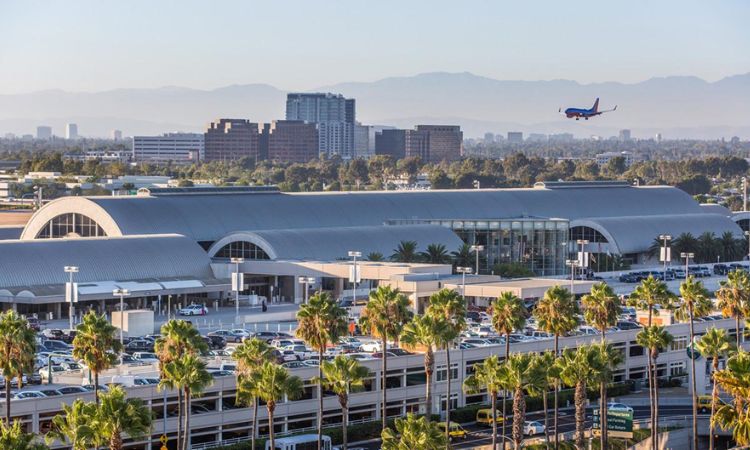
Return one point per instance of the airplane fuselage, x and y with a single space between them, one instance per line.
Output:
580 112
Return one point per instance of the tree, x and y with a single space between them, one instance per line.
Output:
450 307
556 313
428 333
15 437
685 242
508 315
578 369
96 344
17 348
649 295
435 254
512 270
188 374
462 257
117 415
601 309
548 378
250 357
375 256
274 384
74 426
487 376
695 303
733 298
342 376
519 374
734 379
413 433
384 316
405 252
321 322
715 345
654 339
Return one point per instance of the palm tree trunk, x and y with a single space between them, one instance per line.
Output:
255 423
655 425
714 398
179 418
507 352
557 390
580 401
115 442
603 408
650 375
493 402
546 418
519 416
739 333
345 421
186 437
7 400
384 377
270 424
448 397
428 368
96 387
320 397
693 383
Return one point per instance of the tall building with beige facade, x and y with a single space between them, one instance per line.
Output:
231 140
289 141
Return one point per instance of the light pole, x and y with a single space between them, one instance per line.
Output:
354 254
582 255
747 234
237 285
306 281
71 293
463 271
476 249
687 256
666 253
122 293
573 263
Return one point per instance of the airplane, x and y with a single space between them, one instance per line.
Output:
585 113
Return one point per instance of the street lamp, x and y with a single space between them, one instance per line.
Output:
71 293
687 256
666 253
306 281
582 255
238 282
573 263
355 275
476 249
122 293
747 233
463 271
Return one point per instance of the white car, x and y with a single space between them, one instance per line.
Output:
532 427
301 351
484 331
194 310
28 394
146 357
370 346
619 407
44 372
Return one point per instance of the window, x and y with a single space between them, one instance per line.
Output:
442 375
636 350
70 225
679 343
242 249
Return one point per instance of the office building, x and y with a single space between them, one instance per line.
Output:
289 141
231 140
334 115
515 137
658 137
603 158
431 143
44 132
71 131
391 142
537 137
361 141
561 137
116 135
169 147
624 135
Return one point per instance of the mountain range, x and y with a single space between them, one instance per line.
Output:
676 106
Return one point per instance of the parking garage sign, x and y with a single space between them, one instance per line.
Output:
619 423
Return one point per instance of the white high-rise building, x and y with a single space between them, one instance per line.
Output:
71 131
174 147
116 135
333 114
44 132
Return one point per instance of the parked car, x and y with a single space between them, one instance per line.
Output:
215 342
33 323
53 333
456 431
193 310
139 345
532 427
301 351
58 346
613 406
294 364
50 392
228 335
627 325
56 370
71 367
28 394
484 417
146 357
267 336
721 269
72 390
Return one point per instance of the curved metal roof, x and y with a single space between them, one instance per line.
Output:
329 244
210 217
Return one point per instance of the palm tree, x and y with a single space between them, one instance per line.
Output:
708 247
117 415
487 376
321 322
187 374
250 356
342 376
733 298
519 374
462 257
508 315
405 252
450 307
15 437
695 303
601 309
274 384
608 360
655 339
556 313
375 256
715 345
428 333
733 248
435 254
74 426
735 380
649 295
413 433
685 242
548 378
17 348
384 316
578 368
178 337
96 344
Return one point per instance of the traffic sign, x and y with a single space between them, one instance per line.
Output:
619 423
163 439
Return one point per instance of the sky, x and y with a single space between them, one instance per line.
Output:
94 45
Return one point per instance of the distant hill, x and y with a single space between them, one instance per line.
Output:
675 106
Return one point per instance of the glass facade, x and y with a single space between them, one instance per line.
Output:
538 244
70 225
242 249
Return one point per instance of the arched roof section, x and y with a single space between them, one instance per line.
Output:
67 205
328 244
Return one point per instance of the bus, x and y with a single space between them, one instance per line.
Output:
301 442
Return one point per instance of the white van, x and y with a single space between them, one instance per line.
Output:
301 442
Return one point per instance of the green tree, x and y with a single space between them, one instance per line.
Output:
734 379
96 344
695 303
715 345
405 252
654 339
321 322
17 348
117 415
75 426
384 317
375 256
273 384
578 369
250 357
512 270
463 256
15 437
413 433
548 378
342 376
508 315
733 298
518 374
650 295
488 375
435 254
556 314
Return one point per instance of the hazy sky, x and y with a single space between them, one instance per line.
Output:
90 45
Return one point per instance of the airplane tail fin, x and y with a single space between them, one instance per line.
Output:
595 108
